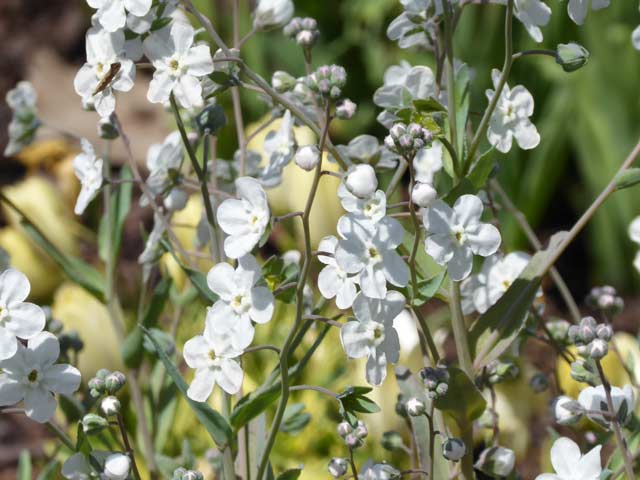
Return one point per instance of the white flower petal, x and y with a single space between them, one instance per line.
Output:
11 391
460 265
14 287
160 87
376 368
565 455
484 240
61 378
229 376
138 7
355 339
39 405
43 349
198 61
202 385
196 352
262 304
219 280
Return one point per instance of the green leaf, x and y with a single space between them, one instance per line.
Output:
462 90
353 401
411 388
295 419
463 401
76 269
212 421
132 351
482 169
428 105
290 474
494 332
24 466
50 471
221 78
633 444
427 289
197 279
120 206
628 178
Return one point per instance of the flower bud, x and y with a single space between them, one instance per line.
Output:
566 410
586 333
93 423
176 200
306 38
211 120
414 130
182 473
453 449
338 76
539 383
391 441
598 349
307 157
96 384
346 109
415 407
496 461
292 28
102 373
338 467
272 13
571 56
423 194
582 371
309 23
344 429
361 180
117 466
114 382
335 92
110 406
353 441
397 131
604 332
282 82
559 330
106 129
361 430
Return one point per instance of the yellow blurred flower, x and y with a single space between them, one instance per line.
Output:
82 312
291 194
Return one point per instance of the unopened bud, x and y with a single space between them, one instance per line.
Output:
598 349
566 410
346 109
117 466
571 56
423 194
392 441
110 406
344 429
114 382
307 157
539 383
415 407
453 449
604 332
93 423
106 129
282 81
338 467
361 180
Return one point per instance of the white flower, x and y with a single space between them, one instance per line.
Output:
106 70
423 194
428 162
164 9
88 169
511 118
17 317
76 467
497 274
403 84
117 466
32 376
594 400
163 161
369 250
372 334
333 281
214 360
533 14
112 14
564 415
634 234
279 146
372 208
272 13
307 157
578 8
455 234
570 464
178 63
24 123
361 180
378 471
635 38
241 301
244 220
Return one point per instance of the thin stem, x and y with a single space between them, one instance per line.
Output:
324 391
435 356
352 462
621 444
127 444
521 220
416 228
451 81
397 177
550 53
228 467
506 68
322 319
62 436
284 355
258 348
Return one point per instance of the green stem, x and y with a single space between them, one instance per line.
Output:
417 230
228 467
451 82
284 353
435 356
64 438
506 68
127 445
620 443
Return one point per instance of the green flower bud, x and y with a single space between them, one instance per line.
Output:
282 81
211 119
93 423
392 441
571 56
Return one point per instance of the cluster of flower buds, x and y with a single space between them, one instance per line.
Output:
106 382
499 371
539 382
328 81
353 437
453 449
436 380
338 467
182 473
303 30
591 339
606 300
406 140
24 123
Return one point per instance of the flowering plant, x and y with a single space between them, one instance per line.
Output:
420 226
